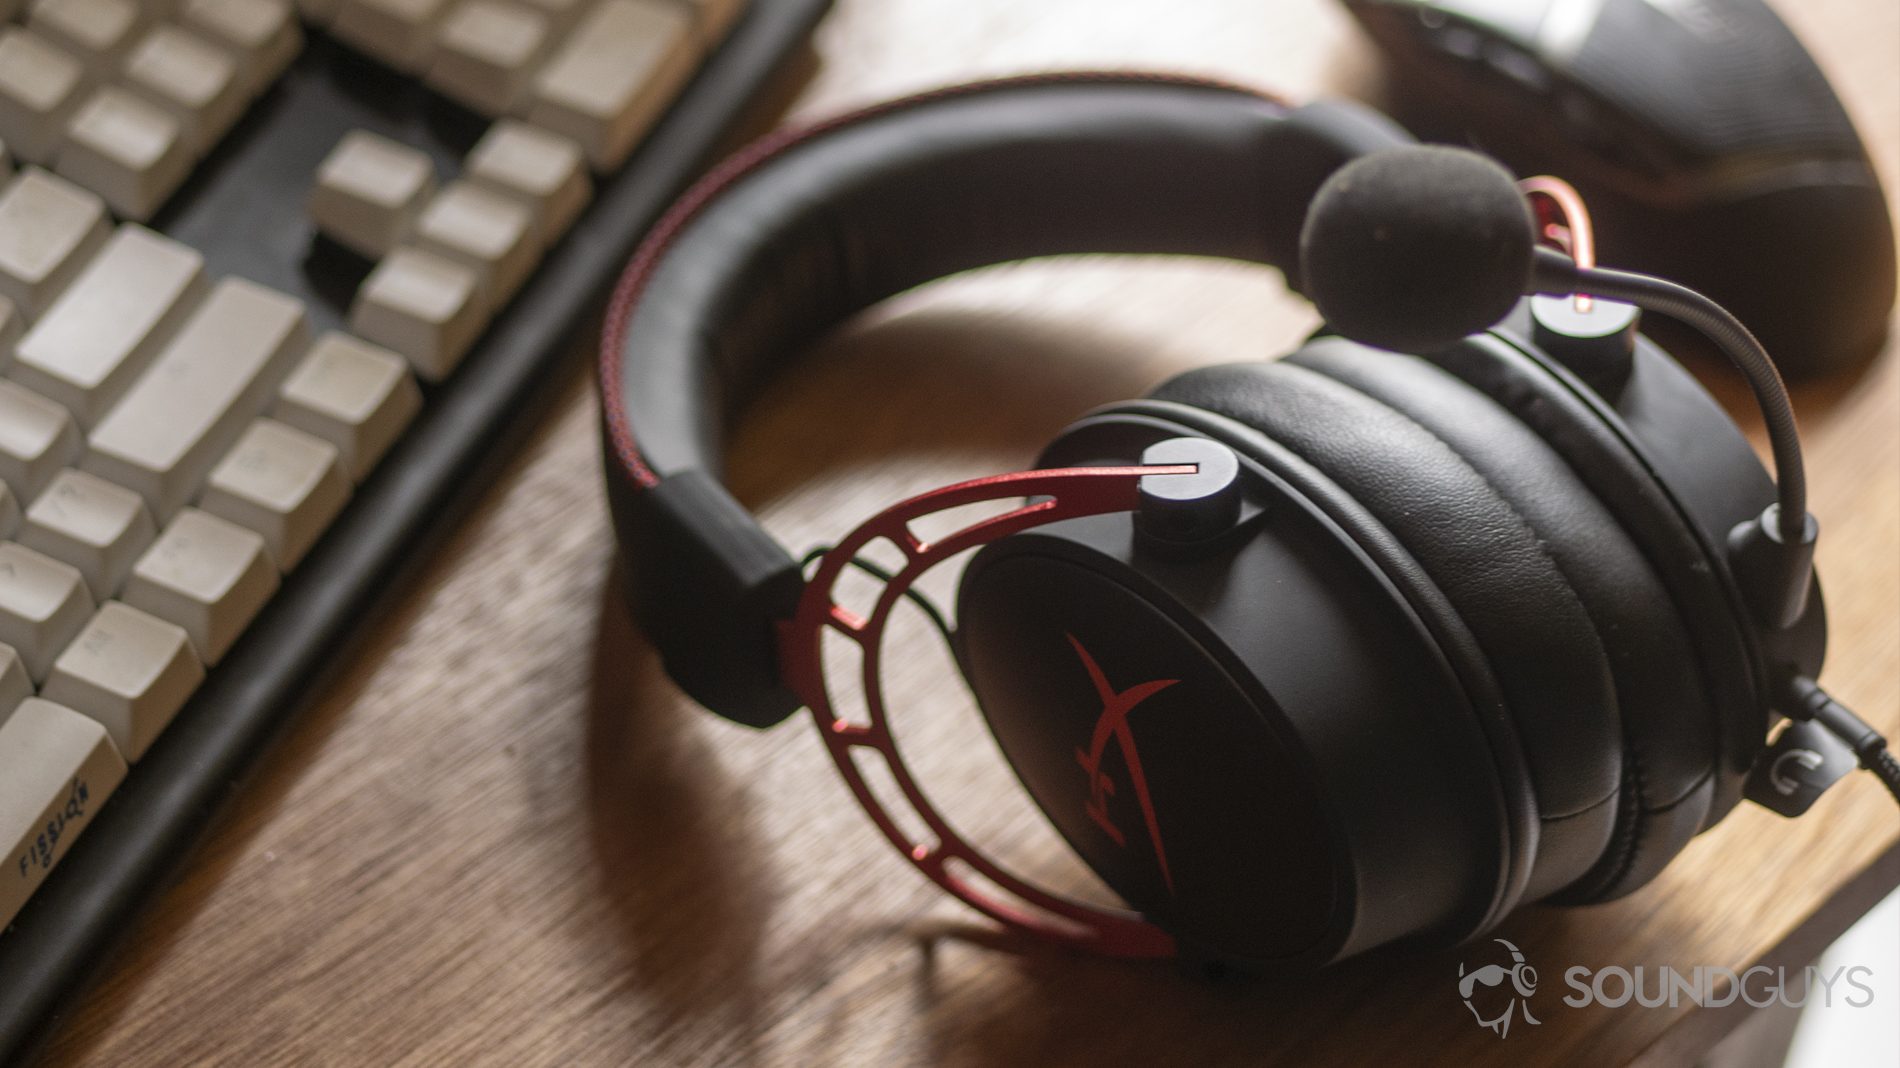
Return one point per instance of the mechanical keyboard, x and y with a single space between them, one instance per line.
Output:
279 281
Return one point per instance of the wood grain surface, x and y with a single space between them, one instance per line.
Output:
501 838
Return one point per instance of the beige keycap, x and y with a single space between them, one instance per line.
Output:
369 190
543 169
40 84
201 391
401 33
352 394
37 438
489 233
43 603
14 685
87 349
423 306
206 574
98 32
193 80
10 515
127 150
614 75
100 528
56 769
49 228
129 671
485 52
282 483
263 35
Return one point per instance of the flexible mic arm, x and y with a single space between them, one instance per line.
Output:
1773 555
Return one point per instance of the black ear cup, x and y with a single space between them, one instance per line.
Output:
1668 722
1480 549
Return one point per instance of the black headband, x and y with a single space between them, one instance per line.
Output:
800 232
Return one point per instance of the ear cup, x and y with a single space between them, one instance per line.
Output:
1668 721
1484 555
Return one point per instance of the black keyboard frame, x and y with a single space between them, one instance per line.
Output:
143 836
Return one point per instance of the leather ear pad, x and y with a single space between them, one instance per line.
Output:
1668 720
1481 552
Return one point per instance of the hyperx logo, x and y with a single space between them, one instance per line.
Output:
1113 723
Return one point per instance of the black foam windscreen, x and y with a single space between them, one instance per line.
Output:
1414 248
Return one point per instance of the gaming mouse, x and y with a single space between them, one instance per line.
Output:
1709 147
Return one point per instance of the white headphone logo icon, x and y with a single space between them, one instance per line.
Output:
1523 979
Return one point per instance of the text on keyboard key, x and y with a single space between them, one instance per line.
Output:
614 74
49 229
43 603
56 769
96 526
282 483
201 391
37 438
93 341
352 394
129 151
40 84
129 671
208 575
423 306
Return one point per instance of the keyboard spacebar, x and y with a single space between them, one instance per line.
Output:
216 374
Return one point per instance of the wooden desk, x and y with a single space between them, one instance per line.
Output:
502 838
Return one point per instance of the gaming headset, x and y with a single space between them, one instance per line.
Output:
1476 599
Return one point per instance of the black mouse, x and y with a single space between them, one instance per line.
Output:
1708 145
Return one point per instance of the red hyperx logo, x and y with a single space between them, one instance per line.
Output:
1113 723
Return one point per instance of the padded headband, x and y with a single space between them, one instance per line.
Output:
804 230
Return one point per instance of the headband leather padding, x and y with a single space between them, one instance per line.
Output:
866 209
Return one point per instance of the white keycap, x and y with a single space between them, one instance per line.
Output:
263 35
195 81
97 31
95 526
130 672
543 169
10 330
401 33
352 394
109 323
369 190
43 603
208 575
423 306
10 515
56 769
127 150
40 84
489 233
14 685
37 438
485 52
614 75
282 483
201 391
49 228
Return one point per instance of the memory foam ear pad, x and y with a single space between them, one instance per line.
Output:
1538 637
1668 721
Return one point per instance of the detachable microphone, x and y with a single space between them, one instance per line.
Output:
1414 249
